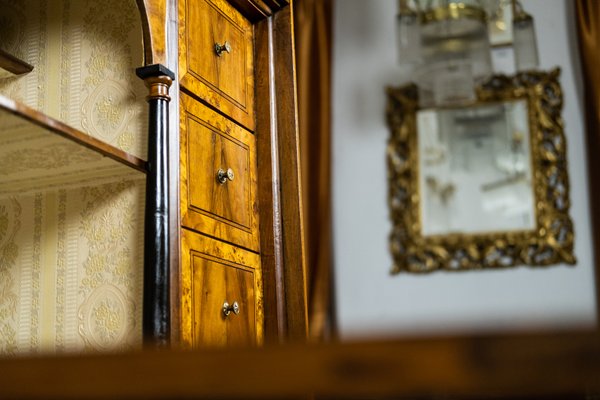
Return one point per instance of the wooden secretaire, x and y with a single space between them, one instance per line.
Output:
235 191
214 254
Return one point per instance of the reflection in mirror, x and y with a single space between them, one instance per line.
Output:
481 186
475 169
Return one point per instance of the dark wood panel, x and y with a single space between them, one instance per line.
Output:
276 4
294 258
254 10
257 10
172 36
500 367
269 186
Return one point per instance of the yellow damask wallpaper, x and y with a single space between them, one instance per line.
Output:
71 269
71 258
84 54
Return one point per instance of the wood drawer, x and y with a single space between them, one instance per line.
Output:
226 82
209 143
214 273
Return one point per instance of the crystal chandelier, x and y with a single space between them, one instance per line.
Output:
445 45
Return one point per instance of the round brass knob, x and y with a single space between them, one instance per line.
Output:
224 176
222 48
228 308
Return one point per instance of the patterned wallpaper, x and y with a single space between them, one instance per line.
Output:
71 269
84 54
71 258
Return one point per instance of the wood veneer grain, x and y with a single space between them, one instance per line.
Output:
154 18
209 142
269 197
470 367
213 273
224 82
294 257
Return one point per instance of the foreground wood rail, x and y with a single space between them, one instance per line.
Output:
491 367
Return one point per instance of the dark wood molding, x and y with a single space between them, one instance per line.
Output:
593 167
57 127
172 39
257 10
277 4
294 257
496 367
279 191
269 199
14 65
156 305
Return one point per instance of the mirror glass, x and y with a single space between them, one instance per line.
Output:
483 185
474 168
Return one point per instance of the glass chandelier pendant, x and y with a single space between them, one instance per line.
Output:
408 32
455 51
445 45
524 42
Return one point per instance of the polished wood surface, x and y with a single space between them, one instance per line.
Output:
172 40
214 273
294 258
215 283
497 367
257 10
12 64
226 82
276 182
209 142
56 127
271 229
154 21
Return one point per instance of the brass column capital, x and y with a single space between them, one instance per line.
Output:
159 87
158 79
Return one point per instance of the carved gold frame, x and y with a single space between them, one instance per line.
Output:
551 242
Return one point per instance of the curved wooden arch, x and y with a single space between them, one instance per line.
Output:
154 21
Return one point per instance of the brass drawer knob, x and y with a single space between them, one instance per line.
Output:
224 176
222 48
228 308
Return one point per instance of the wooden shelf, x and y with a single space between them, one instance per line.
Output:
38 153
11 65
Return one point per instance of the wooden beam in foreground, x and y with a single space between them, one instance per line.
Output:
499 366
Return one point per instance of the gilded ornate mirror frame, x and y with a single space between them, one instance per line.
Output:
551 242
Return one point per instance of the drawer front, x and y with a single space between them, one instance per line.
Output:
218 176
225 81
214 273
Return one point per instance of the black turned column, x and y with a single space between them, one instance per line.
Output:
156 312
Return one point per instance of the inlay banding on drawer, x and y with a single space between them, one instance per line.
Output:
216 57
218 176
211 276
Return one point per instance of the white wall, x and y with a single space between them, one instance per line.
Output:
369 300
